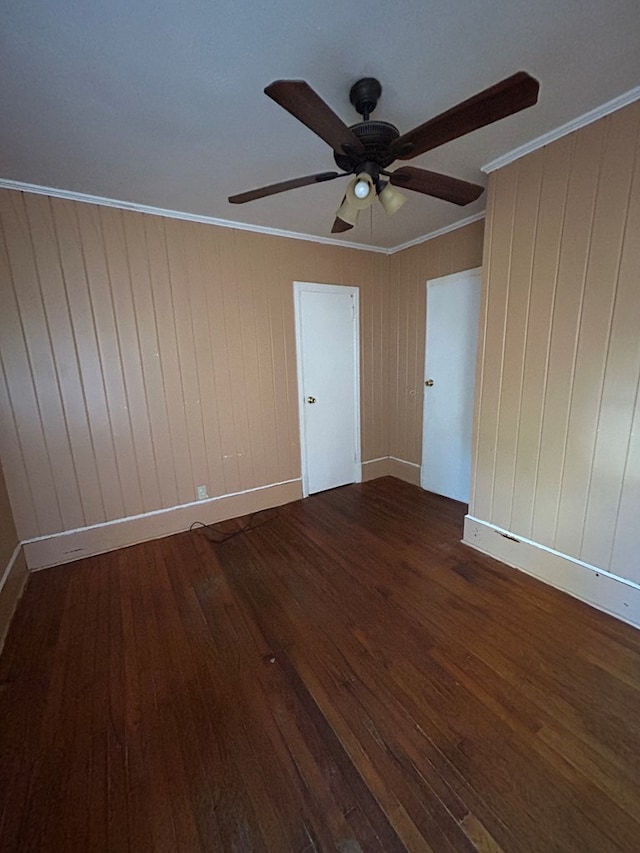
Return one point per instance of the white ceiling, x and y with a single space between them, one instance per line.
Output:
160 102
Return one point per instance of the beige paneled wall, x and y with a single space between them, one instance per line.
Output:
410 270
8 535
558 431
13 571
143 356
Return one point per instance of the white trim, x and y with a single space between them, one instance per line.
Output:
404 461
153 512
374 468
476 217
618 596
409 472
575 124
9 566
395 459
69 545
300 287
85 198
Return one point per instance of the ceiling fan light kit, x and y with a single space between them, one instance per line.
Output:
363 186
360 194
367 148
391 199
346 217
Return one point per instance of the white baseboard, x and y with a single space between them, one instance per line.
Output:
70 545
403 470
608 592
391 466
374 468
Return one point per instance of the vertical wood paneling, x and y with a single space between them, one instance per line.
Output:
259 366
394 350
204 274
536 356
375 361
503 188
284 406
23 504
158 261
222 369
611 534
44 370
8 535
147 335
239 398
111 365
142 357
89 501
572 264
26 458
74 274
209 471
130 356
600 281
562 428
626 544
483 338
183 316
525 219
247 264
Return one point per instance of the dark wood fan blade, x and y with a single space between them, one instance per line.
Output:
283 186
435 184
339 225
299 99
505 98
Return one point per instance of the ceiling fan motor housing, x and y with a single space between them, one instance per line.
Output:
376 136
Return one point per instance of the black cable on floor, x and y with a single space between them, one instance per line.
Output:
219 536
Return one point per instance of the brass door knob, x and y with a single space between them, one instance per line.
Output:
429 383
311 399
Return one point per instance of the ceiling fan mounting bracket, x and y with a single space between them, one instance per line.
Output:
364 95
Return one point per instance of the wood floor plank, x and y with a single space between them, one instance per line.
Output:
347 676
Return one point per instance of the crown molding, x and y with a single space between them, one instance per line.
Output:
85 198
438 233
575 124
20 186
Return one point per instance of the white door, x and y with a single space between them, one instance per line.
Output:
328 384
453 318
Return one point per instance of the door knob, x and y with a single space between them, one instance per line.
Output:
311 399
429 383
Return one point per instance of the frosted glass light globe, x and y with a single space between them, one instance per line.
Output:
361 189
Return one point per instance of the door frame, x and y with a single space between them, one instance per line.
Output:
442 280
300 287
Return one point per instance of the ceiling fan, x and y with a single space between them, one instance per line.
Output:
368 148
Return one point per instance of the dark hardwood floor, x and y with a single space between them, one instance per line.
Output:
346 677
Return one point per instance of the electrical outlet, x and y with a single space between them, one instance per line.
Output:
201 493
